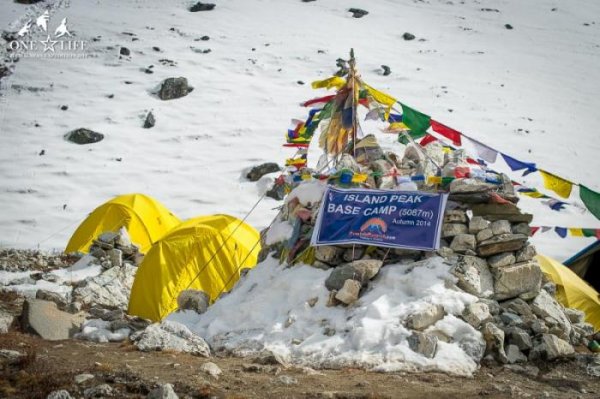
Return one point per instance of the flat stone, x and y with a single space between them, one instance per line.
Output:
425 317
474 276
514 280
424 344
476 314
501 243
484 234
467 186
361 270
501 227
514 355
259 171
544 306
348 294
44 295
199 6
462 243
163 391
81 378
170 336
494 212
477 223
453 229
455 216
527 253
501 260
50 323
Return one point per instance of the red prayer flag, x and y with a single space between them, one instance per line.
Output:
427 139
323 100
534 230
447 132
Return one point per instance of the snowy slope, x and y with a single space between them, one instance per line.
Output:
541 77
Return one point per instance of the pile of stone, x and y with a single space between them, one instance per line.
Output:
16 260
115 249
484 242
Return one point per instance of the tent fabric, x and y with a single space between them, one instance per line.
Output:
582 260
145 219
205 253
572 291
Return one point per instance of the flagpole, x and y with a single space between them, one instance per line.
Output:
352 80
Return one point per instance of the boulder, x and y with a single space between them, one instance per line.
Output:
468 186
259 171
422 343
173 88
358 12
361 270
453 229
109 289
348 294
199 6
196 300
494 339
501 260
427 316
149 121
46 320
514 355
474 276
83 136
501 243
476 314
544 306
550 347
462 243
211 369
408 36
477 223
170 336
514 280
501 227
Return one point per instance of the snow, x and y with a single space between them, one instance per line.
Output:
531 92
308 192
269 309
281 230
99 331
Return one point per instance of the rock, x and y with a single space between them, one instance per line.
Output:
277 192
163 391
84 136
538 327
50 296
519 337
199 6
352 254
116 257
211 369
422 343
514 355
357 12
526 254
476 224
544 306
474 276
484 234
501 227
386 70
476 314
60 394
99 391
196 300
44 319
501 243
10 356
494 338
462 243
455 216
468 186
328 254
361 270
518 306
173 88
453 229
124 51
110 289
508 26
150 121
348 294
81 378
501 260
263 169
170 336
508 212
585 329
425 317
347 161
514 280
408 36
510 319
574 315
286 380
521 228
550 347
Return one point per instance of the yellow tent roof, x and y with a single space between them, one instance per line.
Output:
145 219
204 253
572 291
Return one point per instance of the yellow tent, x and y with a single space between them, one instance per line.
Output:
572 291
145 219
205 253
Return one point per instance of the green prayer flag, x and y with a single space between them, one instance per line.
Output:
589 232
591 199
404 140
416 121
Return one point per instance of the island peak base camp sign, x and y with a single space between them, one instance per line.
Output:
395 219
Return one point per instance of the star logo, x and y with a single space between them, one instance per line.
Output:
48 44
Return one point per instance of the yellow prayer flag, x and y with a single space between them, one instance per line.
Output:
575 232
557 184
306 176
396 127
359 178
434 179
334 81
532 194
380 97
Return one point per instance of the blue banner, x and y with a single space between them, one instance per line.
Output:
397 219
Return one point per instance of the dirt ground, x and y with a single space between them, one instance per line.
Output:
52 365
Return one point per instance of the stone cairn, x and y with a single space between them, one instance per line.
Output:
484 242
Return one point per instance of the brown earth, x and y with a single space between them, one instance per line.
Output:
49 366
